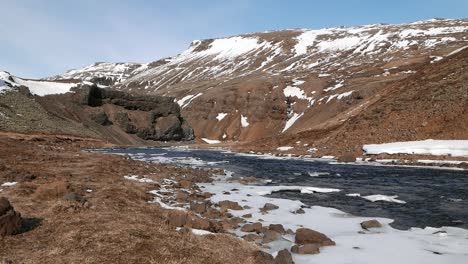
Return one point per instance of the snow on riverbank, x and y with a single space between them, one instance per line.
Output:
353 244
211 141
426 147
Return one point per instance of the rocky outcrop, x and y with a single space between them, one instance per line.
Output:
10 220
149 117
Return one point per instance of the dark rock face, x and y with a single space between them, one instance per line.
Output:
149 117
10 221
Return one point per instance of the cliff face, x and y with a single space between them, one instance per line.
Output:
149 117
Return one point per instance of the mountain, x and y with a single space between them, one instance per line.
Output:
284 83
103 73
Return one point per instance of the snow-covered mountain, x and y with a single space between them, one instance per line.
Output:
322 52
269 84
36 87
103 73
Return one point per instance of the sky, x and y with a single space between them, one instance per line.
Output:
48 37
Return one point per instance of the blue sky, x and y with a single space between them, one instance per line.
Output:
43 38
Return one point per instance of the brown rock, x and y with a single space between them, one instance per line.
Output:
255 227
198 207
278 228
306 249
10 221
182 196
214 213
5 205
261 257
251 237
207 195
228 224
347 157
198 223
230 205
177 218
269 207
270 236
185 184
299 211
284 257
309 236
290 232
247 216
371 224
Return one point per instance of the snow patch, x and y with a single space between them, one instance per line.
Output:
186 100
138 179
42 88
425 147
244 121
385 198
291 121
221 116
8 184
211 141
285 148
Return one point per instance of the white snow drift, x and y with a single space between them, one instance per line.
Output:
426 147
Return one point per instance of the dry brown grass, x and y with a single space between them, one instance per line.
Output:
116 225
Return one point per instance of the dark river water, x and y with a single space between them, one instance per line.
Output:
433 197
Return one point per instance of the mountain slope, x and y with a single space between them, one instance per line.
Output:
103 73
271 84
433 103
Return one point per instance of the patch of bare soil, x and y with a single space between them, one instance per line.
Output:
78 208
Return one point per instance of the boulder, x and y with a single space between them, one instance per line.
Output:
182 196
229 224
261 257
168 128
230 205
198 207
177 218
198 222
278 228
306 249
270 236
284 257
269 207
251 237
185 184
10 221
347 157
309 236
247 216
255 227
371 224
299 211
